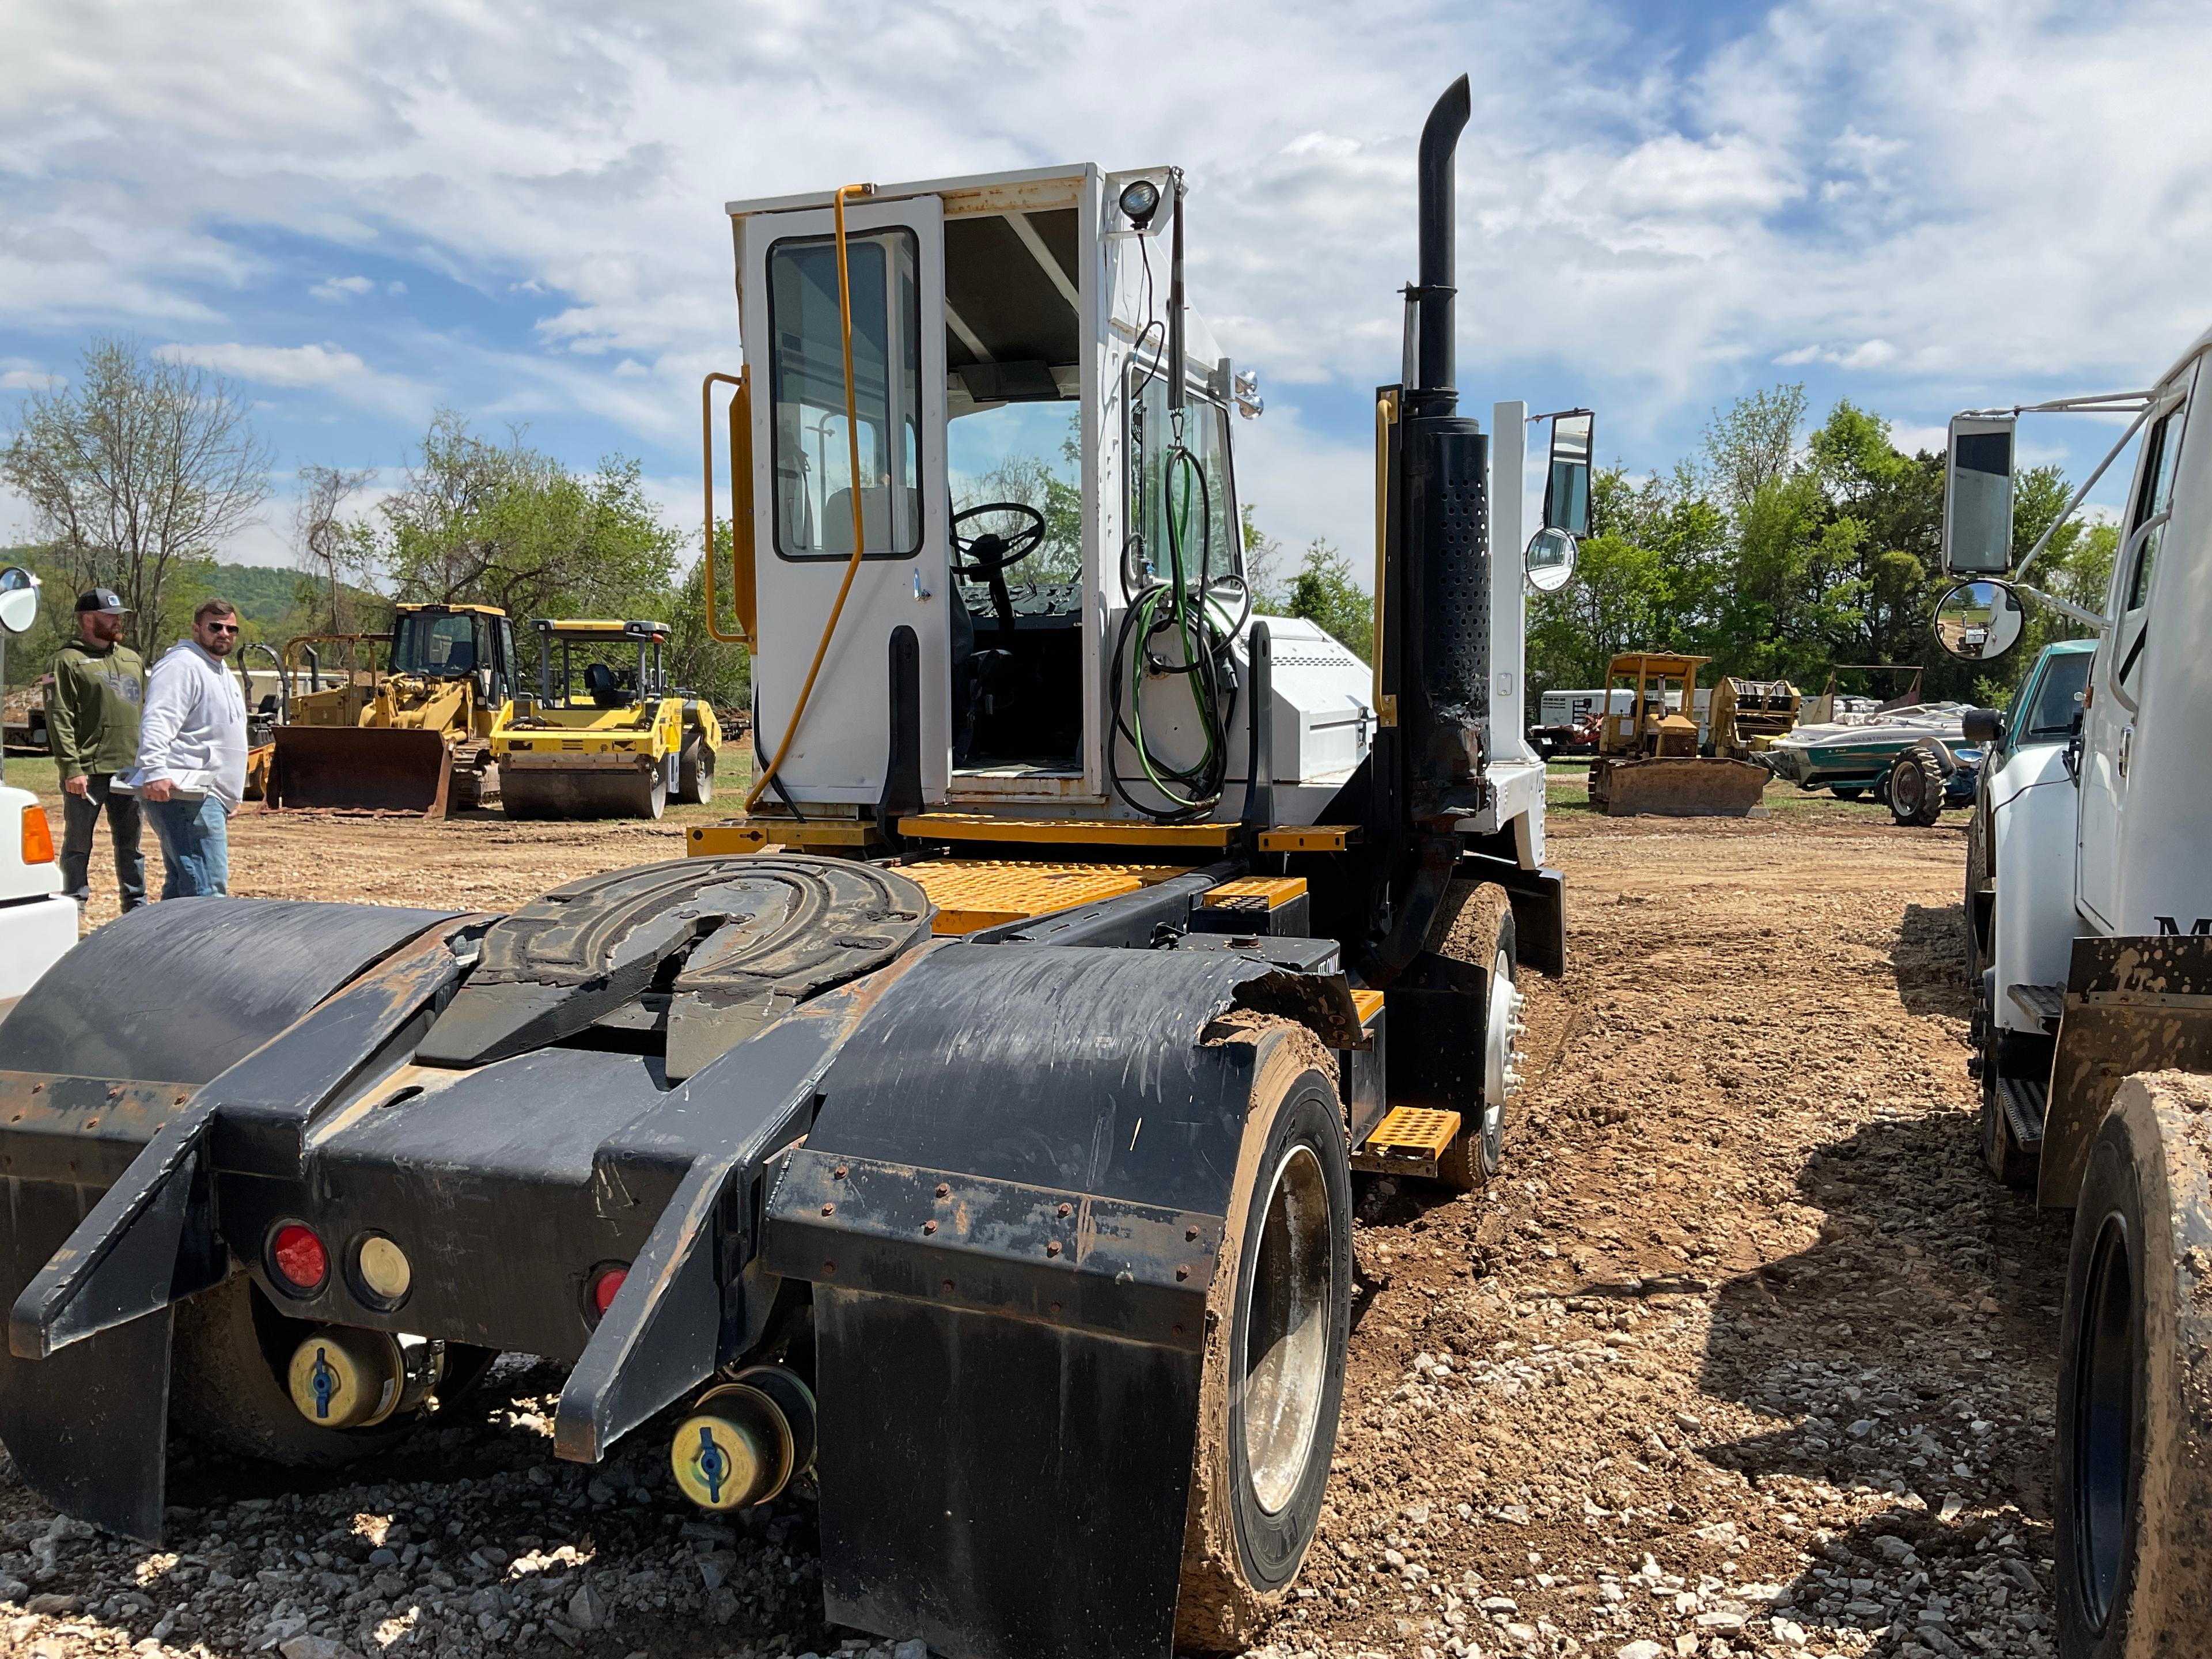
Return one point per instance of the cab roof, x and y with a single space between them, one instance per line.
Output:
603 631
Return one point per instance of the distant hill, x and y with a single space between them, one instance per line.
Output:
269 598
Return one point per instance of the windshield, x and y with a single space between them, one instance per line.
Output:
2057 698
442 644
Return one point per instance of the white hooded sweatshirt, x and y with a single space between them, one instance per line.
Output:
193 731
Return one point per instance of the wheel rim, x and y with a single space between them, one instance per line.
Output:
1501 1058
1904 789
1287 1300
2103 1429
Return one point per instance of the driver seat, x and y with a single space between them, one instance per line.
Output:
606 692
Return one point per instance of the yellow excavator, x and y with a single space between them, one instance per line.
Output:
604 736
414 739
1647 759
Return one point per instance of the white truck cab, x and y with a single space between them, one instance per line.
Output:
2093 951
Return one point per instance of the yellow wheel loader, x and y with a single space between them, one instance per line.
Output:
1647 759
413 740
604 737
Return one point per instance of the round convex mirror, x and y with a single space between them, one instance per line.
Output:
1979 620
18 599
1550 561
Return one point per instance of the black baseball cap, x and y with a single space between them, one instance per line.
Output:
101 599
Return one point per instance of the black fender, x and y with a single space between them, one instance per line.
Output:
1009 1207
104 1057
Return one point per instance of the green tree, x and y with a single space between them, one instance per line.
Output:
1325 591
486 523
698 662
136 473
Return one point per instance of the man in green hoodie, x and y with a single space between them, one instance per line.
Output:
92 723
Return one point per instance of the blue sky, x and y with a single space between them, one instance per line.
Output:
362 214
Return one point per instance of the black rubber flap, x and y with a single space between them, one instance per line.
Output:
764 929
182 990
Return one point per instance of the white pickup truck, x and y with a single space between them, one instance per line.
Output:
37 925
2095 994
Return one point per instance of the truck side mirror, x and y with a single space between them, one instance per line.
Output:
1979 620
1550 560
1983 727
1567 485
18 599
1977 496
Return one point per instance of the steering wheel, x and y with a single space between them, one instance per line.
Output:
988 553
987 556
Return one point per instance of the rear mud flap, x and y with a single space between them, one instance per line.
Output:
366 768
2133 1003
107 1224
1009 1206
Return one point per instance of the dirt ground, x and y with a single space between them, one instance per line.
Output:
1744 1354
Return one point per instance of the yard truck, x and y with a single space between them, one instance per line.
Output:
2090 940
968 1126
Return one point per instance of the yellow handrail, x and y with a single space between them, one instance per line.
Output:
1386 415
852 473
741 505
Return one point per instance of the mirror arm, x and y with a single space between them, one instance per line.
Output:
2073 506
2065 607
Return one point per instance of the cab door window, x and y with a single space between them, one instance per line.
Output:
813 444
2147 527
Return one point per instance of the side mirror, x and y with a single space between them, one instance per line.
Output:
1567 485
1977 496
18 599
1979 620
1983 727
1550 560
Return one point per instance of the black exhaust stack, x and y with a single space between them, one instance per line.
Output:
1443 524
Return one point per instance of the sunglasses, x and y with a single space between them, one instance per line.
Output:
220 628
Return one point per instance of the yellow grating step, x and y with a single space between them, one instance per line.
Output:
1256 893
973 894
1408 1136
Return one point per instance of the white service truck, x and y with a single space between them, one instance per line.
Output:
2093 1014
37 924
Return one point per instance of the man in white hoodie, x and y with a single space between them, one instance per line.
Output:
191 754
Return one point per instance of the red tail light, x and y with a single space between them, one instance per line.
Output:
297 1257
603 1287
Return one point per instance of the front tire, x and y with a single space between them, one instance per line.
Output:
1279 1318
1915 789
2134 1572
695 773
1475 925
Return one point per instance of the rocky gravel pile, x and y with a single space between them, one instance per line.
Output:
1744 1355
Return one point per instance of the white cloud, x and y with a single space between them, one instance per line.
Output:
343 287
326 367
1923 195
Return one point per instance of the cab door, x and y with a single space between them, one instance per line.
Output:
804 491
2116 681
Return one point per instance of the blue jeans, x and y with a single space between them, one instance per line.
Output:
195 837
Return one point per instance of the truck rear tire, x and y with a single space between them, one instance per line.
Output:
227 1384
1916 788
1279 1318
2134 1558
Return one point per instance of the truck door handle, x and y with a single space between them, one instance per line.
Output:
2127 744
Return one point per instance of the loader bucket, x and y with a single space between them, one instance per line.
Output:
576 788
1684 786
367 769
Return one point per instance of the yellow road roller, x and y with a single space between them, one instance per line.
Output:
605 736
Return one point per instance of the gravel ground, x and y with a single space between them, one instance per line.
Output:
1744 1355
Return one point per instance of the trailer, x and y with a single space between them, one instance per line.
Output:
2090 904
967 1126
